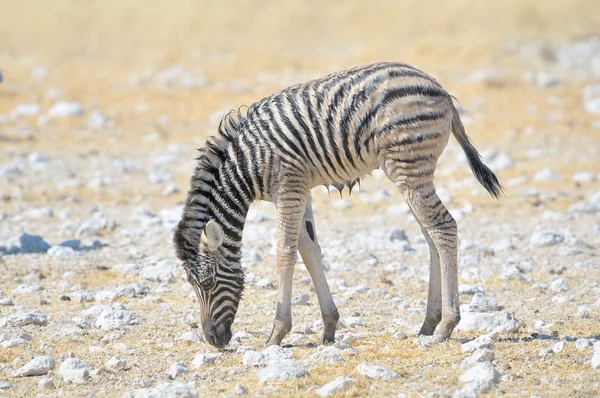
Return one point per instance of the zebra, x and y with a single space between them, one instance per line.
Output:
329 131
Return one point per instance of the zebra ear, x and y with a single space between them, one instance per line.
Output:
212 236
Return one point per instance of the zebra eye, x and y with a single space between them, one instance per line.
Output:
207 283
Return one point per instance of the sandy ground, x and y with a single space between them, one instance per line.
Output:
159 75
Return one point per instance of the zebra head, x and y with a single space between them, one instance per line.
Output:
218 285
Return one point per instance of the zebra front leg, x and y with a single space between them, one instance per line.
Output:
290 208
308 246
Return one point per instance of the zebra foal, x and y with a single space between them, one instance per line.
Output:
329 131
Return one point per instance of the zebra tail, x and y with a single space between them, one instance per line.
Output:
484 175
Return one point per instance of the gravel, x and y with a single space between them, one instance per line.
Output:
203 360
281 370
373 371
546 238
115 364
38 366
165 390
481 377
177 369
339 385
74 370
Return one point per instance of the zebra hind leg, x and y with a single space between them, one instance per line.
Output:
415 181
309 249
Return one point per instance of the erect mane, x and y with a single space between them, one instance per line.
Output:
195 213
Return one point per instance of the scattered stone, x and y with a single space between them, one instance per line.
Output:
479 355
469 289
74 370
115 364
24 319
265 283
166 390
177 369
482 303
6 302
327 356
546 175
38 366
596 358
27 289
201 360
190 336
170 190
481 378
301 299
545 238
583 177
582 312
287 369
46 384
97 121
4 385
66 109
481 342
62 252
582 344
502 245
501 322
353 322
591 99
270 354
113 317
559 285
339 385
240 390
373 371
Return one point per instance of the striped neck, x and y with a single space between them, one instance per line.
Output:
228 205
218 192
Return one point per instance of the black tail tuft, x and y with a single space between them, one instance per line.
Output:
484 175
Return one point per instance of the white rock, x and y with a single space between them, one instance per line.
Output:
46 384
499 161
546 175
479 355
66 109
501 322
481 377
327 356
6 302
26 289
373 371
38 366
591 99
582 312
469 289
353 321
201 360
582 344
482 303
74 370
502 245
596 358
301 299
583 177
170 190
115 364
166 390
62 252
545 238
336 386
265 283
559 285
190 336
97 121
481 342
26 110
558 347
157 273
177 369
28 318
287 369
270 354
111 319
